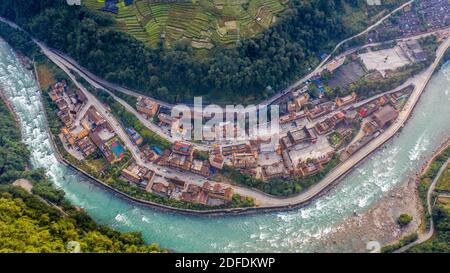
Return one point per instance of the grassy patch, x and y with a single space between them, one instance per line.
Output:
334 139
45 76
443 183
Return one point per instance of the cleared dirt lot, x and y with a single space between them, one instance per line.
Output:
386 59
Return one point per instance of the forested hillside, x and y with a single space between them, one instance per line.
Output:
13 153
255 69
27 224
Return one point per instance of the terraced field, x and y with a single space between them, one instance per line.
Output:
204 23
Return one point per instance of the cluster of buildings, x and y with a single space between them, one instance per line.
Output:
376 115
138 175
413 50
298 136
135 137
328 124
216 159
173 187
417 18
84 130
267 160
304 146
320 110
312 166
205 195
150 154
111 6
68 102
147 107
181 157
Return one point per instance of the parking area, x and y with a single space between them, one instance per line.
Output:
386 59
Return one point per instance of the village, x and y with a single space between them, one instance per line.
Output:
313 128
420 17
322 122
85 133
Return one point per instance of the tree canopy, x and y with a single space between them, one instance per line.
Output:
27 224
306 30
30 224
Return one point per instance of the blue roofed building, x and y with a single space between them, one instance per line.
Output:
110 6
128 2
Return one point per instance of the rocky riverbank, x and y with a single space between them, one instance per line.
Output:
379 223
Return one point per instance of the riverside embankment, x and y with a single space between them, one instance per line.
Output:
276 203
303 229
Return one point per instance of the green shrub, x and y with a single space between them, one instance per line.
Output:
404 219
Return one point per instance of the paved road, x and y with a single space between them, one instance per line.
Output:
164 172
426 236
102 110
93 101
57 58
419 82
94 81
320 67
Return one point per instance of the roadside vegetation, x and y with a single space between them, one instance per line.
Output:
129 120
441 210
443 184
404 241
440 240
427 178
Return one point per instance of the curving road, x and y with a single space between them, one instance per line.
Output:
426 236
108 85
324 61
420 82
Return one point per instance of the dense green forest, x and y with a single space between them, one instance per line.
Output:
253 70
27 224
13 153
30 224
14 158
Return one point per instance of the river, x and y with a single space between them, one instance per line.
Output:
302 230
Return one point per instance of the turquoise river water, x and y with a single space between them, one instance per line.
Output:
302 230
